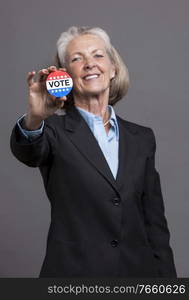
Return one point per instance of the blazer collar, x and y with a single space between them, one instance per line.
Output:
82 137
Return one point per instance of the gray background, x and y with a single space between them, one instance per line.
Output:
153 39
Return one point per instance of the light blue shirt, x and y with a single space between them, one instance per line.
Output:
109 143
30 134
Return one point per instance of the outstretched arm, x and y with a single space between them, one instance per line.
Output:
36 151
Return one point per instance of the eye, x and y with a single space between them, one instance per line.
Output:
98 55
75 59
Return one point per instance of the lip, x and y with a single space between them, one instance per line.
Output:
84 77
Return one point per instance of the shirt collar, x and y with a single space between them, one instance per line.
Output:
90 118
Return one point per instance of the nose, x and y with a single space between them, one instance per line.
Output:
89 63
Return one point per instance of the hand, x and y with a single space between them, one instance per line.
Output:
41 104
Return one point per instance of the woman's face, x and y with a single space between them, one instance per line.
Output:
89 65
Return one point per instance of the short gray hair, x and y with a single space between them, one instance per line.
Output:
73 32
119 84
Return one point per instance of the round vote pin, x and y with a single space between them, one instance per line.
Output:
59 83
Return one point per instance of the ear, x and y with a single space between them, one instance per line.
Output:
112 72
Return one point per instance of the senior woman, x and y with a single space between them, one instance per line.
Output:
107 210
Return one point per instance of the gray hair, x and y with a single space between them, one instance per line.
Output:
73 32
119 84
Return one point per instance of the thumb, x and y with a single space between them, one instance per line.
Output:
63 98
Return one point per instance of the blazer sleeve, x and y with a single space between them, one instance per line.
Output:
35 152
154 216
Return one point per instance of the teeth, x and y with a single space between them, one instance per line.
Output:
91 76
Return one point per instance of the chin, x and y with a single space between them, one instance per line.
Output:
94 91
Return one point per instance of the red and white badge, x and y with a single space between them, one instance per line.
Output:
59 83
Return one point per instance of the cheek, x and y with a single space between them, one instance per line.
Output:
72 73
107 68
77 82
73 70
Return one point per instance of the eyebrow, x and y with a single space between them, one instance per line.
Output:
92 51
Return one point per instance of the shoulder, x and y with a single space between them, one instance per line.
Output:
144 133
136 127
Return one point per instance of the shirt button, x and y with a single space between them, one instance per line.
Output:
114 243
116 201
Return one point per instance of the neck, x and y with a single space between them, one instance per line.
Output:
96 104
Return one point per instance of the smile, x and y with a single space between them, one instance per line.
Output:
92 76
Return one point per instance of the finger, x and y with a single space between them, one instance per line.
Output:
59 103
63 98
62 69
58 100
54 102
62 105
30 76
52 68
42 75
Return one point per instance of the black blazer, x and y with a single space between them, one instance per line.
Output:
100 227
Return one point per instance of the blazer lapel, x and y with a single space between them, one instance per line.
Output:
128 151
82 137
